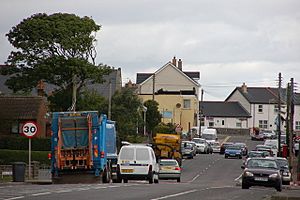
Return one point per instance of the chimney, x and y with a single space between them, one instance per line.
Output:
180 64
174 62
40 88
244 88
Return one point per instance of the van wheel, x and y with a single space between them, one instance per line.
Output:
151 177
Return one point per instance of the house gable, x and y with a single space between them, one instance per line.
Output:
168 78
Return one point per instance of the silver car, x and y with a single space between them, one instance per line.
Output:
169 169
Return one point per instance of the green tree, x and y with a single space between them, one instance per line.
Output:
125 106
58 49
153 117
91 100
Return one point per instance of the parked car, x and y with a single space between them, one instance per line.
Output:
169 169
216 147
137 162
285 170
268 134
187 149
261 147
243 147
261 172
201 145
253 154
273 143
259 136
224 145
233 151
194 148
210 135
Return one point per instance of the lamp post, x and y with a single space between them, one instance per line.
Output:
145 110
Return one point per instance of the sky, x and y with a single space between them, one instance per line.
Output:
230 42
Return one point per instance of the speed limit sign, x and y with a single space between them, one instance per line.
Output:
29 129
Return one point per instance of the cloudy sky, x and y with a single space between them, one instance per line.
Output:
228 41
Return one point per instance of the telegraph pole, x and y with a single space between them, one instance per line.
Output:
109 101
153 86
279 115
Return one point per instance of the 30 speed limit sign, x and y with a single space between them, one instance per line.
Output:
30 129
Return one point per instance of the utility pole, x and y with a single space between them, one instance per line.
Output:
73 107
287 119
279 115
153 86
200 111
109 101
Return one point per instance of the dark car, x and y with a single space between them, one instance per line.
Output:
224 145
187 149
260 147
258 136
261 172
285 170
233 151
243 146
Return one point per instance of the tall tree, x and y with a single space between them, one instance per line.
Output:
58 49
125 106
153 116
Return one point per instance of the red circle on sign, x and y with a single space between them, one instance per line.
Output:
29 129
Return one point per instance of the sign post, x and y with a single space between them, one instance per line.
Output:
29 130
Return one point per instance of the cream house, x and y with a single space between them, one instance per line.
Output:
176 92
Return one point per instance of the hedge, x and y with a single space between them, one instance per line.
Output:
7 157
16 142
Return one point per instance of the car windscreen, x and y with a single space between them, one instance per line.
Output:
187 145
260 163
209 136
282 163
198 140
142 154
127 154
255 154
232 147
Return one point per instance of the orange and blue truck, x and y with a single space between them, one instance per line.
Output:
83 148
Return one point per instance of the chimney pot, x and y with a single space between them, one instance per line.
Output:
174 61
180 64
244 88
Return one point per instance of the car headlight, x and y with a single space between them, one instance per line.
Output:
248 174
285 174
273 175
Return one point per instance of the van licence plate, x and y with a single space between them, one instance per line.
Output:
127 170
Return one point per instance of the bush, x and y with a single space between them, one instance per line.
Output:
7 157
16 142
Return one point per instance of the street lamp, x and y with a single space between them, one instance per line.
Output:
144 110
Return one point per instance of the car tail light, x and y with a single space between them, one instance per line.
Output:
49 156
102 154
177 168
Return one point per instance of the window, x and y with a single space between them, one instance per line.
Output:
260 108
239 124
142 154
263 124
211 124
186 103
297 125
223 122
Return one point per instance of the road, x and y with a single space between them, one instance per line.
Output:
206 177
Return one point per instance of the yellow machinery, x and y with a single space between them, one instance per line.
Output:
167 145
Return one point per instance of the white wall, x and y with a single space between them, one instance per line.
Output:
237 96
229 122
170 79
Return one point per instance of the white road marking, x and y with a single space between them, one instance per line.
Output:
194 178
63 191
42 193
13 198
83 189
175 195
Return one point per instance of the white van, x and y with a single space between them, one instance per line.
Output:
210 135
137 162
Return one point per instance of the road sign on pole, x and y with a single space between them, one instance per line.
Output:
29 129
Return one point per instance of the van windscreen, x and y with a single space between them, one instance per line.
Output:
142 154
127 154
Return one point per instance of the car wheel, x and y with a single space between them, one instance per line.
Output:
245 186
125 180
279 187
226 156
178 180
240 157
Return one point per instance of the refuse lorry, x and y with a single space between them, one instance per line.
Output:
83 148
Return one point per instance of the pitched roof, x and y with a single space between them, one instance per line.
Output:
20 107
223 109
193 76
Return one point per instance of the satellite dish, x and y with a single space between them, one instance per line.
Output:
178 105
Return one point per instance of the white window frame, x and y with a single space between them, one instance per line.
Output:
263 124
238 124
260 108
297 125
186 104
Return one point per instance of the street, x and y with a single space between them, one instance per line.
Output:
207 176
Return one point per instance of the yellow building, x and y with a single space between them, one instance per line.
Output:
176 92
